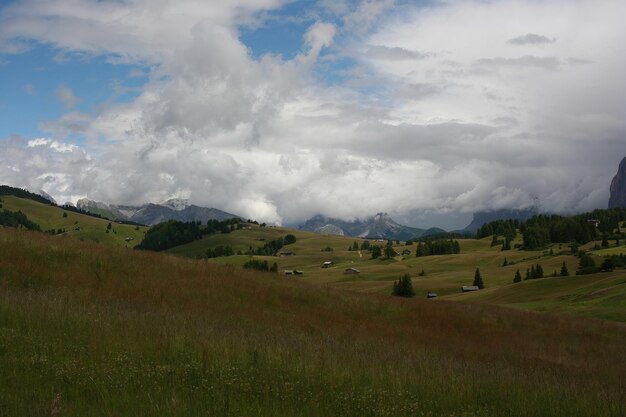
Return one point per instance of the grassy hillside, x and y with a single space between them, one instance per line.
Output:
600 295
108 331
76 225
444 274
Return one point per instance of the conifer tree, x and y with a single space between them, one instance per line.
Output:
518 276
389 252
403 287
505 263
478 280
527 274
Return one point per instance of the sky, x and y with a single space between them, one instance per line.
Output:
280 110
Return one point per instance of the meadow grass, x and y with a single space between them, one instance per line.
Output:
110 331
77 225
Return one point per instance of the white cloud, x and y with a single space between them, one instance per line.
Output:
448 113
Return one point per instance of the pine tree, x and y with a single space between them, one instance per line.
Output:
478 280
355 245
527 274
518 276
494 240
605 241
403 287
505 263
389 252
564 271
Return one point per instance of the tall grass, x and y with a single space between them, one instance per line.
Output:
93 331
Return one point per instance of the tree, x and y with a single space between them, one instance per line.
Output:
274 267
478 280
507 244
605 241
586 261
389 252
505 263
564 271
494 240
64 214
527 274
607 265
109 226
355 245
365 245
403 287
289 239
518 276
376 252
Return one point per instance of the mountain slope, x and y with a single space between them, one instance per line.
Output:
618 187
151 214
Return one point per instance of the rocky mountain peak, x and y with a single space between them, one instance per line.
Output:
618 187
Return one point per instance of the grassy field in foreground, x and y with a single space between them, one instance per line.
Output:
77 225
116 332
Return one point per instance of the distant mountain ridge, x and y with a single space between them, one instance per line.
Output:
151 214
380 226
483 217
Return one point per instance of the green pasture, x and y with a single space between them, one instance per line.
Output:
76 225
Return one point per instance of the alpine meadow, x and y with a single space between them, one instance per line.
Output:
290 208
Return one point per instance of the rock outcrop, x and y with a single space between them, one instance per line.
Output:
618 187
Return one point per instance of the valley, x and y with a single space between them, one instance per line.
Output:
95 328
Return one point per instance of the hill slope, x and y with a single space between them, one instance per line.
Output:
109 331
443 274
72 224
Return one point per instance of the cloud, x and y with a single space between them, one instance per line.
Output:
531 39
66 96
394 54
471 124
526 61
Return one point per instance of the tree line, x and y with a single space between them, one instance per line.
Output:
544 229
17 219
437 247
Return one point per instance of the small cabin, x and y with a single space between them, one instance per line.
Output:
469 288
286 254
351 271
298 272
288 272
431 295
128 239
594 222
406 252
327 264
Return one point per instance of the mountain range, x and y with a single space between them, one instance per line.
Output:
151 214
380 226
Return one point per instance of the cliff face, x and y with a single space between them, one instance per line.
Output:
618 187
